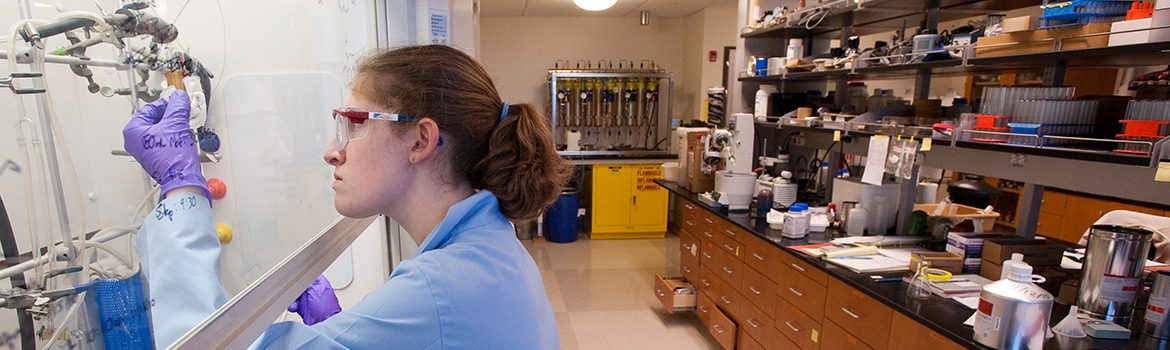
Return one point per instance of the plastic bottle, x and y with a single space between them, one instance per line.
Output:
1016 261
949 99
762 95
858 216
795 49
823 177
796 221
858 97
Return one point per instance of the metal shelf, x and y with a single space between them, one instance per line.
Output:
876 16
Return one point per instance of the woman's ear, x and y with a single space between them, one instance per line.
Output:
426 140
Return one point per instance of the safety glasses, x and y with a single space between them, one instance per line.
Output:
351 123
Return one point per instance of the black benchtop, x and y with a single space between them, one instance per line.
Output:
944 316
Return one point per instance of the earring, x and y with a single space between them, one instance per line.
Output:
411 159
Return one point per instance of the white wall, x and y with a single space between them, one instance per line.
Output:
519 51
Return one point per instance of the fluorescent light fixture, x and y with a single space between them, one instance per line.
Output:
594 5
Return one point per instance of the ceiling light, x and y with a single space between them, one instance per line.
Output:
594 5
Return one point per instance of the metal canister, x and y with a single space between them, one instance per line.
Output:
1112 271
1012 315
1156 325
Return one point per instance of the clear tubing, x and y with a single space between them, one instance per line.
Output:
35 238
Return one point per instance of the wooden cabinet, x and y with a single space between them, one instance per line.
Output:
757 322
758 290
747 342
907 334
858 314
837 338
688 257
723 329
797 326
802 267
763 257
627 203
803 293
1066 216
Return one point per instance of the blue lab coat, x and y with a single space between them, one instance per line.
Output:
470 285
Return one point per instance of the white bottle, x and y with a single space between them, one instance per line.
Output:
795 49
796 221
762 95
858 217
1008 265
948 100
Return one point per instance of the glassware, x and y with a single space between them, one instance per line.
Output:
918 288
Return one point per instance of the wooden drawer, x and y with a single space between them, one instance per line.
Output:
763 257
802 292
708 282
708 254
759 290
734 232
744 341
781 341
665 289
729 269
797 327
710 219
689 248
705 234
722 328
1053 202
726 243
692 216
905 333
837 338
730 302
859 314
704 308
804 268
757 322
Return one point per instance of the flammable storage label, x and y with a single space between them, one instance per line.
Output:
1118 288
646 176
983 320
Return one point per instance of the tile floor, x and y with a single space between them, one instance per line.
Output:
602 293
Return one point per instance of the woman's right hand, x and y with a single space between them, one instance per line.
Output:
159 137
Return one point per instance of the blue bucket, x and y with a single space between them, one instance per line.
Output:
562 218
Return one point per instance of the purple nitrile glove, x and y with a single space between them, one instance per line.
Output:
159 137
317 303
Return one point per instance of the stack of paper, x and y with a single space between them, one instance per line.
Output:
958 286
870 263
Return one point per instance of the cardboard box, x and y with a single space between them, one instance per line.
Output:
1037 252
940 260
697 181
1037 41
1053 277
1130 38
972 265
1017 24
968 244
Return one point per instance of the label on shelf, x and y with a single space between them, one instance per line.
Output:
836 135
1163 174
926 143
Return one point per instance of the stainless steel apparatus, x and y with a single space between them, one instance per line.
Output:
1155 317
1013 312
615 111
1113 266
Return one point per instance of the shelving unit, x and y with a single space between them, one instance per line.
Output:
1100 172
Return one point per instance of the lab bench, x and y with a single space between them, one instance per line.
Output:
755 292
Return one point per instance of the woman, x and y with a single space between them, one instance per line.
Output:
424 139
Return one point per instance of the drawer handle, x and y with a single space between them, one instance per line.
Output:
690 223
703 309
705 283
725 300
758 256
729 248
850 313
688 206
799 294
706 255
729 232
708 234
717 328
727 269
708 221
687 269
686 246
794 329
795 266
753 289
660 293
754 325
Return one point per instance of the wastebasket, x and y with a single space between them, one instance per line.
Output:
561 217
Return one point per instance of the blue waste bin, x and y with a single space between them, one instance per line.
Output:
561 217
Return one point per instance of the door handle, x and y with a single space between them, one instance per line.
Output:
660 293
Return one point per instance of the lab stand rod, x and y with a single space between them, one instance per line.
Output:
1029 212
74 60
909 195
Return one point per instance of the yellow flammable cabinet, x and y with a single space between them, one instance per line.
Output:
627 203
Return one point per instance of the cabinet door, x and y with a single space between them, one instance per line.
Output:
611 195
908 334
858 314
1049 225
650 200
1079 214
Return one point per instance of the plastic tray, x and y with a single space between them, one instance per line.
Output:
961 212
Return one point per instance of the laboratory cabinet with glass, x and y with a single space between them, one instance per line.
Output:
955 174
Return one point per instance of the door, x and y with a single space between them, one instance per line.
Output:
611 195
649 200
